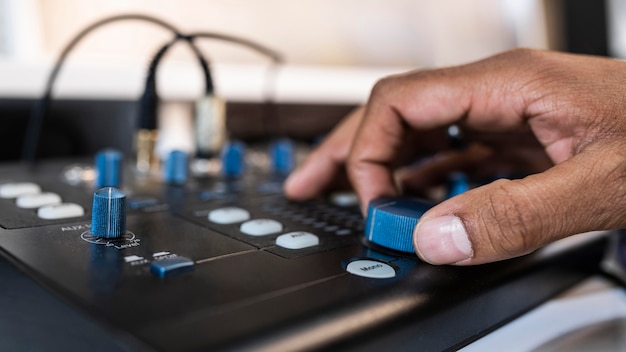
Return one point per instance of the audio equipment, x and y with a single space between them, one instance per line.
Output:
181 263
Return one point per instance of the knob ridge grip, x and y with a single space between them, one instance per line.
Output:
391 220
108 214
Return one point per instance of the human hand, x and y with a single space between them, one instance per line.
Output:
569 107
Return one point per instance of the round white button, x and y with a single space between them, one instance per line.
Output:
344 199
297 240
60 211
371 269
228 215
16 189
31 201
261 227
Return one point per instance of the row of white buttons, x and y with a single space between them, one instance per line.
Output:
294 240
28 195
263 227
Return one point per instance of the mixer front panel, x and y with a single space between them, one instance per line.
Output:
230 263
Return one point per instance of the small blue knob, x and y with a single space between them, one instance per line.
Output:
282 156
457 184
391 220
108 168
176 167
108 213
233 159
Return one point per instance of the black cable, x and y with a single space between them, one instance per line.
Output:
39 111
274 56
269 108
209 115
149 100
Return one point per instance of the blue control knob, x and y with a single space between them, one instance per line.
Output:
282 156
233 159
108 214
391 220
457 184
108 168
176 167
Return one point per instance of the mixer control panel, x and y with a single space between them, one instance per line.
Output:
177 262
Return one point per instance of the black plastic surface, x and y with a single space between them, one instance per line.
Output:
247 293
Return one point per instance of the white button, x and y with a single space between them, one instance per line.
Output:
261 227
344 199
31 201
297 240
229 215
132 258
60 211
16 189
371 268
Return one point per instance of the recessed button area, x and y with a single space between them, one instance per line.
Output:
371 269
32 201
170 266
60 211
261 227
16 189
297 240
228 215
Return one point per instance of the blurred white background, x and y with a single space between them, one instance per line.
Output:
364 39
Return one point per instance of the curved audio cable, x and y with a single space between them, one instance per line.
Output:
210 111
269 108
40 109
147 129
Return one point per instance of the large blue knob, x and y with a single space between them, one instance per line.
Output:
233 159
108 214
282 156
391 220
176 167
108 168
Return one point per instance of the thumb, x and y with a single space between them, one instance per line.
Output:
509 218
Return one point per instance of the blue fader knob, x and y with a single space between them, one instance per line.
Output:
108 214
233 159
176 167
457 184
391 220
108 168
282 156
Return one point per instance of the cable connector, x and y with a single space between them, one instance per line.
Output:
145 142
210 126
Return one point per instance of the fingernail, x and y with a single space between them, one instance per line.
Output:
442 240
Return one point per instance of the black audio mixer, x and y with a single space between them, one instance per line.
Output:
221 263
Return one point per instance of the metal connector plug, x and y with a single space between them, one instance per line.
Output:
145 142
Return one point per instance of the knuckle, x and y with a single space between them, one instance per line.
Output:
382 87
509 223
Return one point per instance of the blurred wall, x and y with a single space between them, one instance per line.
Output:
414 33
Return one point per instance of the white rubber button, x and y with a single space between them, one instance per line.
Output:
16 189
32 201
371 268
261 227
60 211
229 215
297 240
344 199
